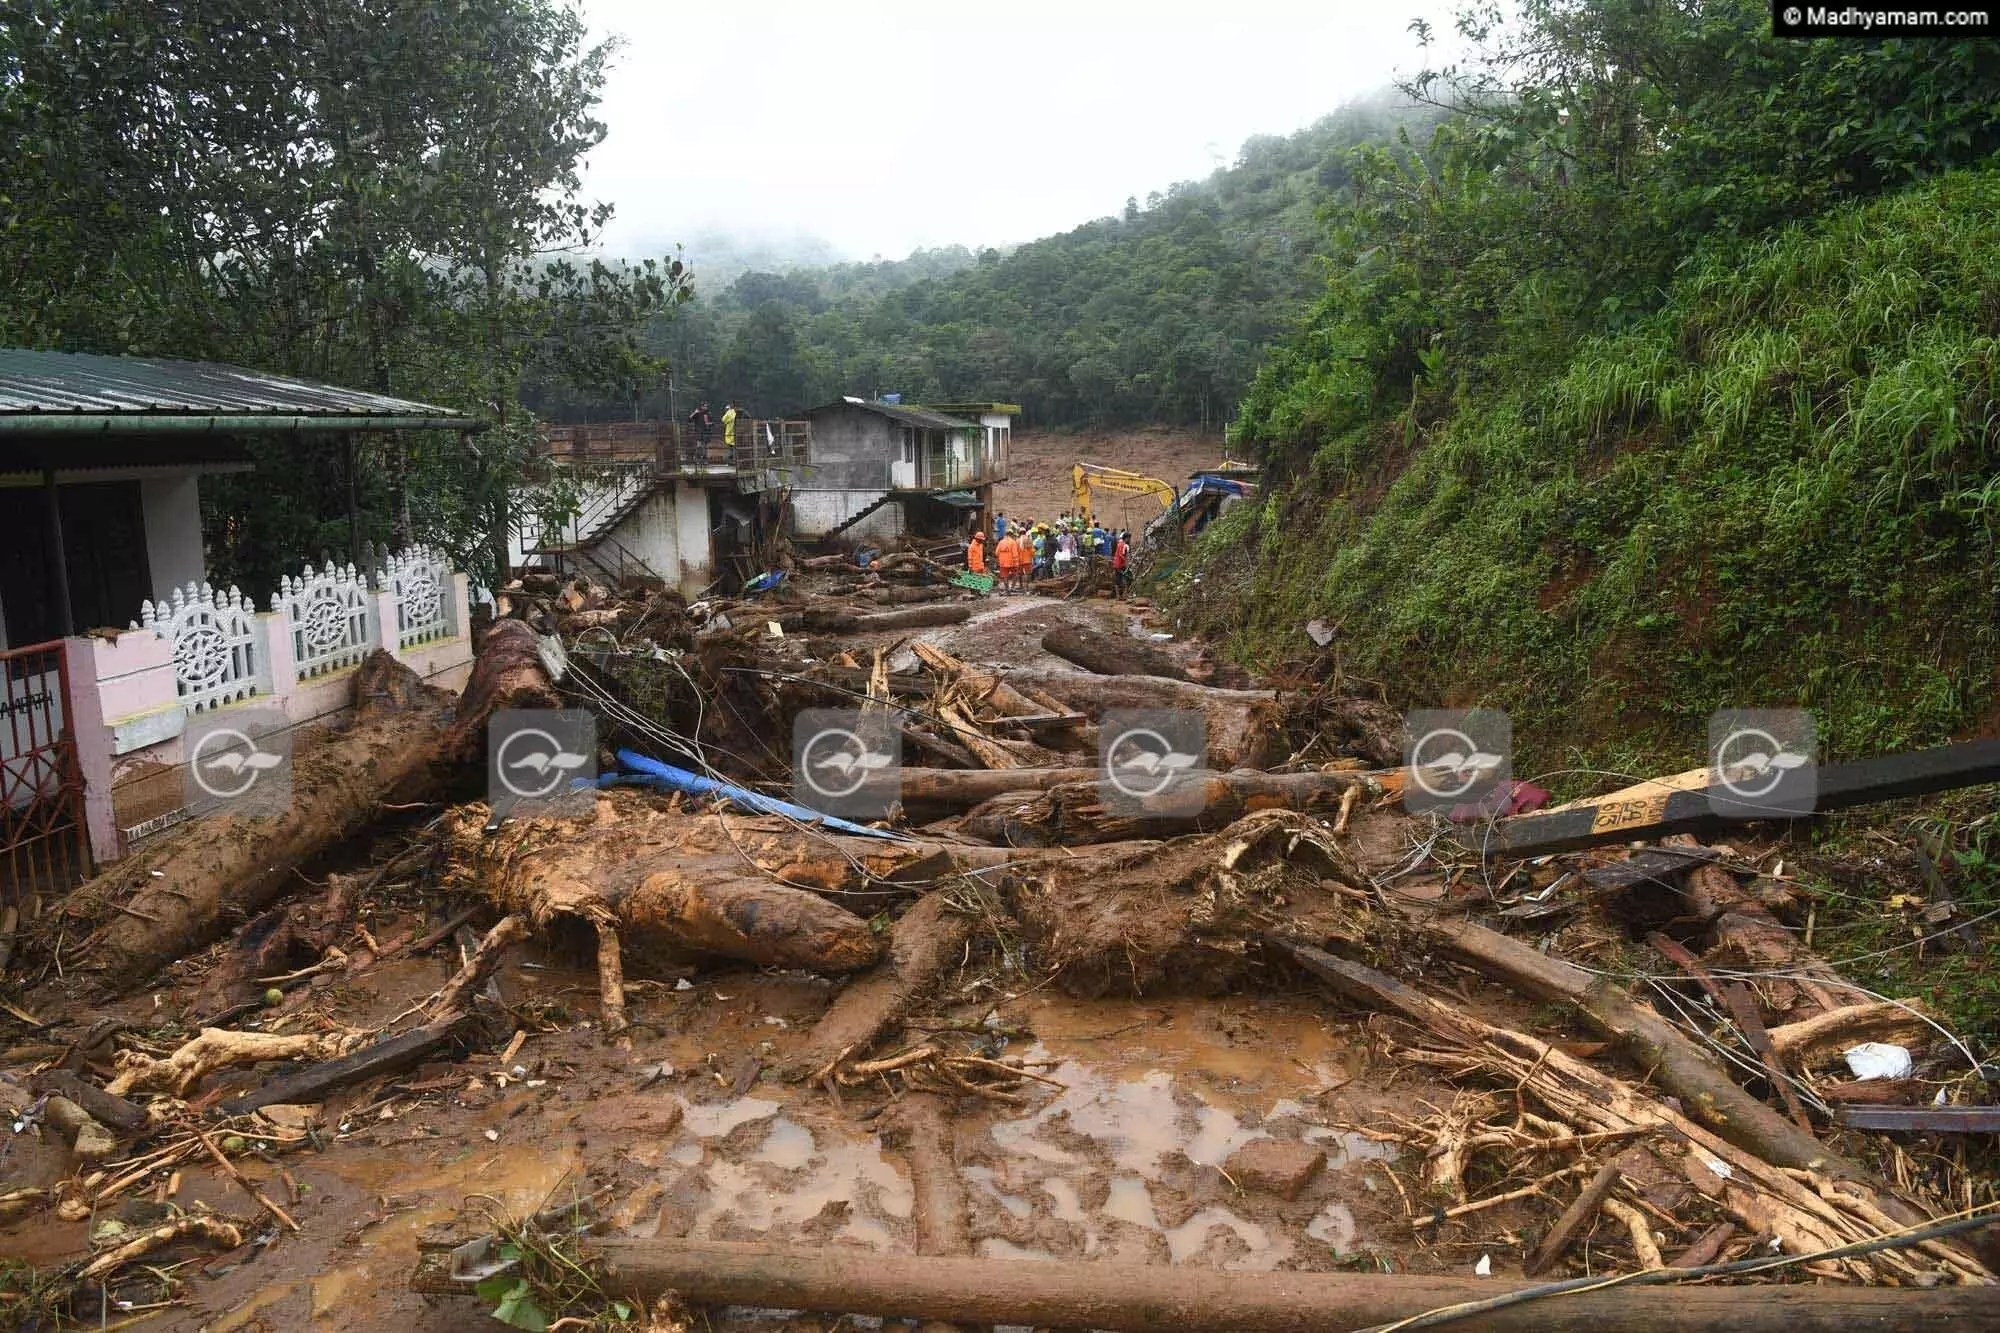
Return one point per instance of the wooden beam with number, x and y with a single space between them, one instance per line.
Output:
1641 815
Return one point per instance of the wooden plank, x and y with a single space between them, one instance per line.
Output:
1574 1219
1922 1119
313 1084
1744 1006
1648 816
1655 865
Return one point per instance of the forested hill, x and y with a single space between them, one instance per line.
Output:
1158 315
1667 380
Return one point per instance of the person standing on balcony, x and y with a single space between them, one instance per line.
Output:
703 423
729 426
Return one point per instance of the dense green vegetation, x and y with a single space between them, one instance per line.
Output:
1155 316
375 195
1663 379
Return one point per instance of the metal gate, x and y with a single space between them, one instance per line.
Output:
44 844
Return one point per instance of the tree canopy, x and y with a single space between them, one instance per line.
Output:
382 193
1156 315
1661 378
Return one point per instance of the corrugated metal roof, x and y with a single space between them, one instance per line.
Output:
909 416
50 383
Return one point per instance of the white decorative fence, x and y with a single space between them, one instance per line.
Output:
420 581
329 616
197 649
333 617
215 643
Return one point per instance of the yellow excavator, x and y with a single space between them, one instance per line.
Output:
1086 477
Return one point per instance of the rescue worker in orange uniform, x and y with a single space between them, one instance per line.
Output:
1008 556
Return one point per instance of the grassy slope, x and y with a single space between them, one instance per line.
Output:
1783 489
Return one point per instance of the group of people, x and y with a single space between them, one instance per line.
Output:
704 425
1022 551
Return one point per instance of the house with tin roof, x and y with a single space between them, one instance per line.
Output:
881 469
111 634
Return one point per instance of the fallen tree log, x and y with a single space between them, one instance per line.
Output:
1808 1215
923 945
1748 937
407 742
316 1082
930 793
1110 654
1245 728
890 596
1829 1033
1137 1298
914 617
676 884
221 1048
1650 1044
1073 814
919 1126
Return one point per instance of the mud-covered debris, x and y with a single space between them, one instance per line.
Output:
1274 1166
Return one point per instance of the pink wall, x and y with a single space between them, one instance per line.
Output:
128 713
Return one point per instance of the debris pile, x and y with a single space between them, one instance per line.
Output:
1656 1076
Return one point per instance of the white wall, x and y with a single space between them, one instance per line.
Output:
650 533
816 513
172 507
694 539
670 532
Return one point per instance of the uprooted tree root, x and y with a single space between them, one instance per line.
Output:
1188 915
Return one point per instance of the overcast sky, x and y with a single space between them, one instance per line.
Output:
884 125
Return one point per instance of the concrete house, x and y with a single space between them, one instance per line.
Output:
110 633
656 499
878 470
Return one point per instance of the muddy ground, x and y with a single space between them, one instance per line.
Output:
1038 468
694 1134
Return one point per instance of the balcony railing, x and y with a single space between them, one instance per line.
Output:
675 448
941 471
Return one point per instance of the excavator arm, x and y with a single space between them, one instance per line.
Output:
1085 477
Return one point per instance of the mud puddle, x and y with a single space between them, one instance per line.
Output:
1125 1162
